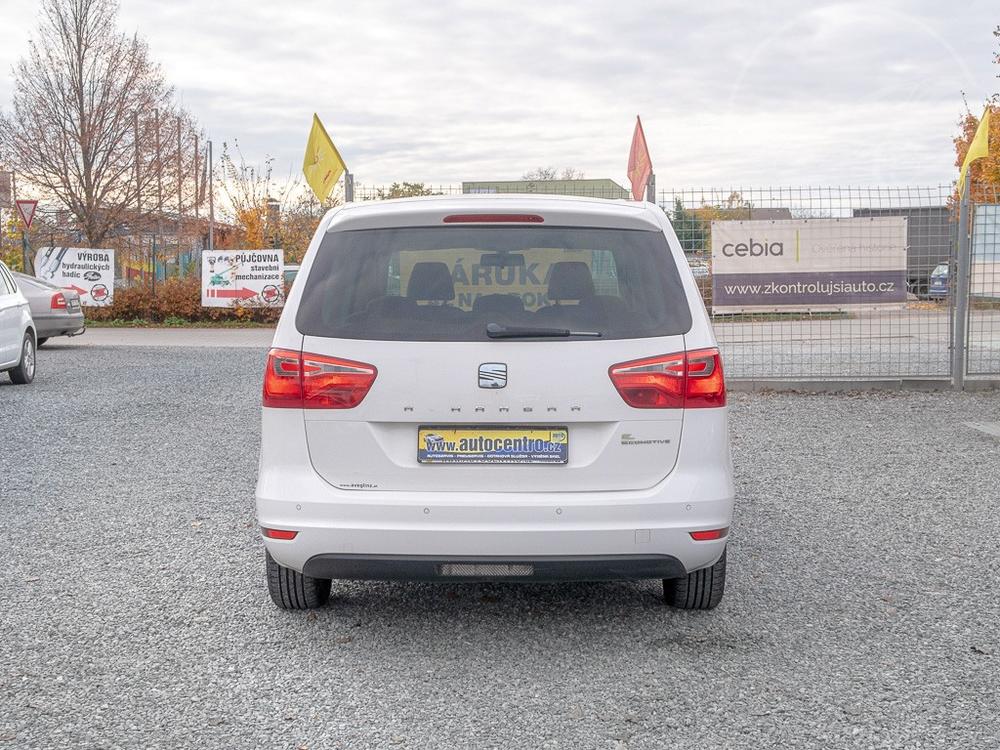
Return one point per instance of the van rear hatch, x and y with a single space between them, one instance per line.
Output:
490 348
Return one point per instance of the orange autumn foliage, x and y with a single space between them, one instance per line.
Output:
986 171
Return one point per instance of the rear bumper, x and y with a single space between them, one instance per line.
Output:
60 325
478 568
389 534
560 541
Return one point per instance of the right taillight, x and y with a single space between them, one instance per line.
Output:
709 535
685 380
58 301
300 380
285 534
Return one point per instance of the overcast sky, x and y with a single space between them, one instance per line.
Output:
731 93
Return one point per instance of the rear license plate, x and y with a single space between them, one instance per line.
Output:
492 445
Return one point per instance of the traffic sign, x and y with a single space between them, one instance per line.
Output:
27 211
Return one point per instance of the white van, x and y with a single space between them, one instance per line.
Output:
496 387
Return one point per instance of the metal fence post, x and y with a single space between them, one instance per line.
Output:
348 187
25 251
961 290
651 188
211 201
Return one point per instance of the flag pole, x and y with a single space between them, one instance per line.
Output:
197 176
138 188
24 240
25 251
211 200
138 175
651 188
960 291
180 177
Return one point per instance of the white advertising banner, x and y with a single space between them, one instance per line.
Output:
808 264
985 276
232 278
88 271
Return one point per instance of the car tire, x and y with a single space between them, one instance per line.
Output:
42 340
24 373
290 589
702 589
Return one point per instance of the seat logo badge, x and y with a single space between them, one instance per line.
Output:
492 375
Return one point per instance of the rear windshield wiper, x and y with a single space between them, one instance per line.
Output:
497 331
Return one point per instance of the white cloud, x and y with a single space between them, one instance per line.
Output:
730 93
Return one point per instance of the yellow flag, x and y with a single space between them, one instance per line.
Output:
979 148
322 165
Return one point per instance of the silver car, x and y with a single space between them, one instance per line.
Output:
17 332
56 311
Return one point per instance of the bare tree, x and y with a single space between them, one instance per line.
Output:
265 211
547 174
93 123
996 59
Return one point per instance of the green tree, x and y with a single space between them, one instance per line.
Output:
404 190
692 231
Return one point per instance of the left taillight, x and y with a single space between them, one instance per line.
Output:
300 380
685 380
58 301
285 534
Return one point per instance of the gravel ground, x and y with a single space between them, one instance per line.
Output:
862 607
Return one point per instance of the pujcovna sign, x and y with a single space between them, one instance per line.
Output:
243 277
808 264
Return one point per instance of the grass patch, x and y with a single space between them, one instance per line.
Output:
985 303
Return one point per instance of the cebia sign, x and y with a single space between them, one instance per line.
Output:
254 278
808 264
751 249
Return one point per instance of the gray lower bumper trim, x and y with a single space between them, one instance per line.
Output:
429 568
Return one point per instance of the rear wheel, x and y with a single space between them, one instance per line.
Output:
290 589
702 589
24 373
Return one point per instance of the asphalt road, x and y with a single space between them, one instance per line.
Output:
870 345
862 606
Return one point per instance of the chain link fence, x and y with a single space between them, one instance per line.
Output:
983 351
826 284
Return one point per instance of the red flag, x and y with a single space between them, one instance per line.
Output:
640 168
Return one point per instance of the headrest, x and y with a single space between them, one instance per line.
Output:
431 281
507 304
570 279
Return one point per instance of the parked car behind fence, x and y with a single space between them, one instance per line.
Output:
938 288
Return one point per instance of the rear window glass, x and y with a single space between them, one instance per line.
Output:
448 283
